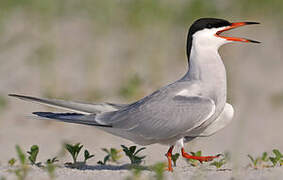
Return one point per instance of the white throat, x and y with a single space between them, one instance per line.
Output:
205 62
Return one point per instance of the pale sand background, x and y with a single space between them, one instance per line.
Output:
81 57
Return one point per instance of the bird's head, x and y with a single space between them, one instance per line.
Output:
206 32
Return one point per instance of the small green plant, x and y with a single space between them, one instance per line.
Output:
254 161
158 170
87 156
52 161
194 162
277 159
175 157
21 155
12 161
132 154
136 174
33 155
106 158
258 161
50 168
113 155
74 150
218 164
21 171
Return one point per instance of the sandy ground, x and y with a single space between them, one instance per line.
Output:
183 171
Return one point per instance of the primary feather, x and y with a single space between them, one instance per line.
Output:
71 118
79 107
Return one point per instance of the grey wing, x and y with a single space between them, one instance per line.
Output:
159 119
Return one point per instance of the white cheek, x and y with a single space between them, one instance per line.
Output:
207 38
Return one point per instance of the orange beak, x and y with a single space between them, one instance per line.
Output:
235 25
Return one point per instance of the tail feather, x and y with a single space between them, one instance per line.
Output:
76 118
80 107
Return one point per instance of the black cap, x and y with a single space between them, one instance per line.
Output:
207 23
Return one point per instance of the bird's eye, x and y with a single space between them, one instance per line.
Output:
209 26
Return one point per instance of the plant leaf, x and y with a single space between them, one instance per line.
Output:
273 160
277 153
21 155
87 155
264 156
132 149
12 161
198 153
251 158
141 149
175 158
33 154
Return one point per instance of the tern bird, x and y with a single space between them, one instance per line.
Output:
193 106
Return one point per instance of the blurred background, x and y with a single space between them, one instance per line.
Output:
121 50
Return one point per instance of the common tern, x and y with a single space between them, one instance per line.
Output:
193 106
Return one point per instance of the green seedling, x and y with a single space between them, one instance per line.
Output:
21 171
106 158
136 174
254 161
113 155
12 161
277 159
21 155
50 167
258 161
131 153
74 150
264 157
158 170
87 156
52 161
194 162
33 155
218 164
175 157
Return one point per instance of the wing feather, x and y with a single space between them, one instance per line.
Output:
79 107
162 118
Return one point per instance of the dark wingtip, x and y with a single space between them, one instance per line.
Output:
18 96
13 95
253 41
249 23
44 114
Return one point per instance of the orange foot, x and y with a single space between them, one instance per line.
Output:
199 158
169 157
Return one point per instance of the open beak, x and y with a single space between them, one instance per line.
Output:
235 25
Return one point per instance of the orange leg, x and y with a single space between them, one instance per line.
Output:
169 157
199 158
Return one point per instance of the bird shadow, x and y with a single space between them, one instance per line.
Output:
79 166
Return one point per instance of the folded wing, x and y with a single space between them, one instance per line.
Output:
161 118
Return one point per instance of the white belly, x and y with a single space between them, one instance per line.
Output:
224 119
